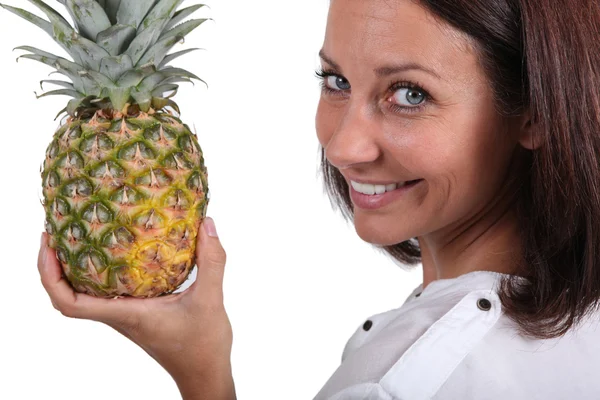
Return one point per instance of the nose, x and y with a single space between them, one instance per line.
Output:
354 140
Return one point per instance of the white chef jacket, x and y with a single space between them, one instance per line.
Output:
452 341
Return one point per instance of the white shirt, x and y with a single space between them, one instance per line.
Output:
446 343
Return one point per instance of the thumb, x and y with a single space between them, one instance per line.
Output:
210 259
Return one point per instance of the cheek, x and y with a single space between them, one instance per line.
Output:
326 122
468 167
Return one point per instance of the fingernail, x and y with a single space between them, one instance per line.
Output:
209 227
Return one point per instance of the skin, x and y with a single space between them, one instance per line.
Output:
188 333
461 213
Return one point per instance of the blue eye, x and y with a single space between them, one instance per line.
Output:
335 82
409 97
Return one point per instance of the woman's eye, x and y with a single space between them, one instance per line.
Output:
335 82
409 97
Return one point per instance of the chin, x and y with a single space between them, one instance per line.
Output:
380 234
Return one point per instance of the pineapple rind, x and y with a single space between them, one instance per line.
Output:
124 198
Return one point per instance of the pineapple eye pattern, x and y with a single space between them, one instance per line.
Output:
96 142
76 188
159 133
69 135
52 150
194 182
50 227
119 237
71 160
137 151
154 179
91 262
52 180
62 254
60 207
114 204
74 231
107 169
177 199
177 161
179 232
125 195
97 213
149 219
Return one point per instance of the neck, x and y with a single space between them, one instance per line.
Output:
488 241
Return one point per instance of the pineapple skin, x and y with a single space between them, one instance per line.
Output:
124 196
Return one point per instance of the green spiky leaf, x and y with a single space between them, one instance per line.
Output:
116 38
100 79
159 102
178 72
119 96
142 98
51 58
183 29
143 41
133 12
62 92
114 67
150 82
157 53
161 89
183 14
175 55
64 84
34 19
163 12
83 51
111 7
90 18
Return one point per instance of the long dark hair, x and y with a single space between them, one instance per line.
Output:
541 56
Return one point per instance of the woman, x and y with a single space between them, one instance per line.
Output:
461 134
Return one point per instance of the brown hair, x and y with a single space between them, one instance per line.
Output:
540 56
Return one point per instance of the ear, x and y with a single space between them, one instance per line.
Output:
528 137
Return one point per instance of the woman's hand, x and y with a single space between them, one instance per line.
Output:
188 333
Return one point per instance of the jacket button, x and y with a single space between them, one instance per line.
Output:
484 304
367 325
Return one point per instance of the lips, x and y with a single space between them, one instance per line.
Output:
374 201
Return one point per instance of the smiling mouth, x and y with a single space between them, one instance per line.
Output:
371 189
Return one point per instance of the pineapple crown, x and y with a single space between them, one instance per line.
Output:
119 50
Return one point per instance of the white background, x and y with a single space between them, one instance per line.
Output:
298 281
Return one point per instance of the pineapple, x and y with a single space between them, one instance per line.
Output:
124 183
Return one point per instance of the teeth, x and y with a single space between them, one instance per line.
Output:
369 189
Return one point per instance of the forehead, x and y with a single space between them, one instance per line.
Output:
377 31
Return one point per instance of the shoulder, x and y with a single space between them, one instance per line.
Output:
459 345
507 364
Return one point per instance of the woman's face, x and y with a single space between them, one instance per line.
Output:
405 99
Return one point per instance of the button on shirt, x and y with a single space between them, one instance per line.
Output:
452 341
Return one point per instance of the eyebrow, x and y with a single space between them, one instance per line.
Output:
386 70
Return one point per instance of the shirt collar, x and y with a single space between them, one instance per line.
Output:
474 280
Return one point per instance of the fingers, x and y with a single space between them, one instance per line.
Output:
210 258
58 288
125 313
